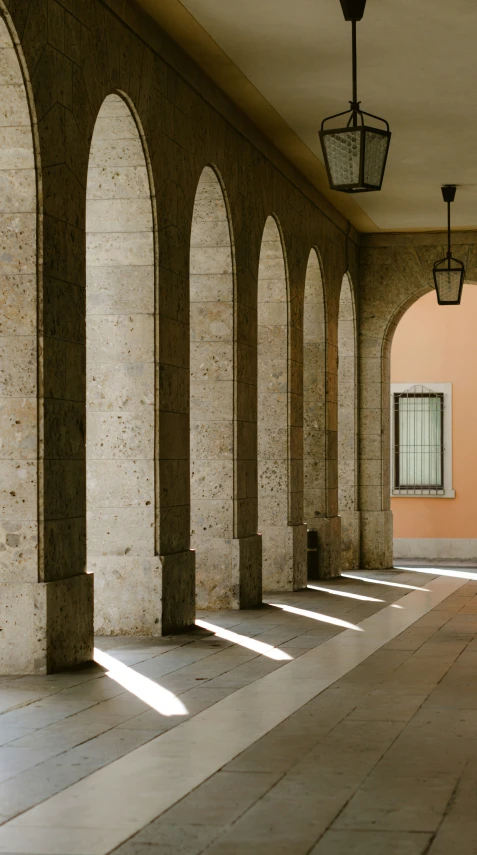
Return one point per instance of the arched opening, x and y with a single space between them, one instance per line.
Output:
120 365
314 411
272 417
347 429
212 396
431 427
18 363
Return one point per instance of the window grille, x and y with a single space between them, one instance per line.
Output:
419 441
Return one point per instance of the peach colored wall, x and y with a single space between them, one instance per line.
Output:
438 344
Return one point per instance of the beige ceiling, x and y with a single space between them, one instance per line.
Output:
287 64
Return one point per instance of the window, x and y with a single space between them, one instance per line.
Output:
421 431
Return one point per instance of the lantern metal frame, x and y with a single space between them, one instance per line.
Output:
353 11
449 263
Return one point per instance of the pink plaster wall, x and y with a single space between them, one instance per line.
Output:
438 344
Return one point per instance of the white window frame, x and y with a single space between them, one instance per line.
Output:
448 492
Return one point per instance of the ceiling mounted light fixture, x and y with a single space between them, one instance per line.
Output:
355 152
449 272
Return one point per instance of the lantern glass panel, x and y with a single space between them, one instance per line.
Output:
449 282
376 149
343 152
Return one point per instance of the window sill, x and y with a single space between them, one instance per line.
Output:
403 494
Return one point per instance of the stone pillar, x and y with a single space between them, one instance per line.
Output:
247 542
46 598
329 525
374 434
315 416
280 422
223 477
347 430
177 559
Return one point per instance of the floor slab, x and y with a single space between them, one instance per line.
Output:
129 793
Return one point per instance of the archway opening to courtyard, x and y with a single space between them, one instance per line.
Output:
120 377
18 345
314 416
347 429
212 396
432 415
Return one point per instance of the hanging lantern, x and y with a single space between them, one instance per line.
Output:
449 272
355 149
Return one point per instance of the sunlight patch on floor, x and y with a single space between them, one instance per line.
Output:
244 641
316 616
158 698
442 571
345 594
384 582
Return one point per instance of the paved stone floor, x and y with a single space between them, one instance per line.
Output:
365 742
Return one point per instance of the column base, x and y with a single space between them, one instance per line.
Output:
247 571
46 626
300 571
284 558
350 540
329 546
178 591
377 540
127 595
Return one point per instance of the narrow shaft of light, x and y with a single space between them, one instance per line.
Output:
443 571
351 596
160 699
244 641
316 616
384 582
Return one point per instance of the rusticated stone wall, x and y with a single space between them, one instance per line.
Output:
73 54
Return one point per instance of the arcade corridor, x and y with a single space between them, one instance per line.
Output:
207 643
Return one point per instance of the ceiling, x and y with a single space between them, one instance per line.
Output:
288 64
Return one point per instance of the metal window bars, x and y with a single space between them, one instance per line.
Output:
418 452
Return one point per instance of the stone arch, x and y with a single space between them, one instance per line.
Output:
121 260
391 280
212 286
279 415
314 398
21 564
348 428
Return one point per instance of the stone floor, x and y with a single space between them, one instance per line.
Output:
340 719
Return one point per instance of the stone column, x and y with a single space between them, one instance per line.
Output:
223 479
280 421
295 443
46 596
374 428
329 526
247 543
347 430
178 560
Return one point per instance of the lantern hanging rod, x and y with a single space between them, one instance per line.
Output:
353 10
355 70
448 194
